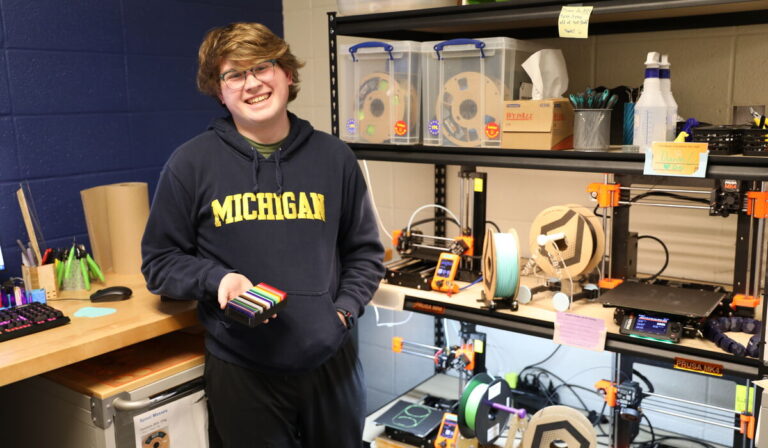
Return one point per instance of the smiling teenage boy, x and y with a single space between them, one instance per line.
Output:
263 197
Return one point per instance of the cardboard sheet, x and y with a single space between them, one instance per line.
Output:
116 215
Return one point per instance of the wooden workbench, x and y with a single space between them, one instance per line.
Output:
142 317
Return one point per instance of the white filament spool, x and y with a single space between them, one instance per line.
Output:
501 264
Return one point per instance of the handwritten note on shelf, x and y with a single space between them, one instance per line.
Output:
580 331
574 21
676 159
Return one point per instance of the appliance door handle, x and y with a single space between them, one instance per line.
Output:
137 405
121 404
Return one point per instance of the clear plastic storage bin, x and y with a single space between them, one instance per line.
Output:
466 82
379 92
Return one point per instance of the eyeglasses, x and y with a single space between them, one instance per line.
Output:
264 72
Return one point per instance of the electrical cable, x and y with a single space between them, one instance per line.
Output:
669 195
373 200
645 380
599 421
474 282
650 427
666 257
542 361
439 218
390 324
594 212
549 394
572 388
569 386
577 386
438 206
495 226
386 232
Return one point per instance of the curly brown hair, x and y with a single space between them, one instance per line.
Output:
245 44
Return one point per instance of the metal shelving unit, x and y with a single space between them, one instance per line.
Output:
733 368
730 167
538 19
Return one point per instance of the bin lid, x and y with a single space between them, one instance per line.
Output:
134 366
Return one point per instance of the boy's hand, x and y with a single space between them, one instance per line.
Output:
231 286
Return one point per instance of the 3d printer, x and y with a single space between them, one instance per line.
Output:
420 253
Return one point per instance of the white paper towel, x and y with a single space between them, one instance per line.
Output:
548 74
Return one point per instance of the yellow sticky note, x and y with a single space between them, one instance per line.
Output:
677 159
574 21
479 184
740 404
478 346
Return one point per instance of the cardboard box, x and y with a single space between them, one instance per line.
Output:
538 124
41 277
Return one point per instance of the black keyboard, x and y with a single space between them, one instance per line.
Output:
26 319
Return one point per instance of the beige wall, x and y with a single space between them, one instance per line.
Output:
712 70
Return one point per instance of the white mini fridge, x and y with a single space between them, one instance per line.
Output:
148 395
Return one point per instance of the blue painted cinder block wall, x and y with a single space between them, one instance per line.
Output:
94 92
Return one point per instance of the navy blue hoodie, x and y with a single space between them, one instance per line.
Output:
300 221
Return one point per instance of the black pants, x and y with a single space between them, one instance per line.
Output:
319 409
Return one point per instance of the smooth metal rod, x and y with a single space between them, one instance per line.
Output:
442 249
608 240
467 195
688 410
759 258
667 190
744 434
432 347
423 355
758 270
606 251
666 397
702 420
433 237
656 204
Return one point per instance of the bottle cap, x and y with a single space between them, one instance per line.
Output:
664 61
653 59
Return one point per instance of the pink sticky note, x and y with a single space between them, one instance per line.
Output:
580 331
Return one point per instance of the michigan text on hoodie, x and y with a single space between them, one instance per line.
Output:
249 206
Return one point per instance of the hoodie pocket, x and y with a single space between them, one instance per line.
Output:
305 333
315 306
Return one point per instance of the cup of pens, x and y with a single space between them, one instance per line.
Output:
591 129
592 119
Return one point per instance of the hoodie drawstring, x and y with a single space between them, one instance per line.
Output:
255 165
278 172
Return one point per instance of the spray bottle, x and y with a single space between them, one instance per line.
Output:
650 109
666 91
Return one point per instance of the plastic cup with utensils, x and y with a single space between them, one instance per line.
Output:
591 129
